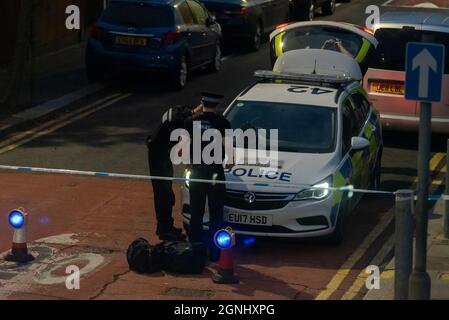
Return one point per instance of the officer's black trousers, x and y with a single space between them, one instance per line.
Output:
164 198
214 194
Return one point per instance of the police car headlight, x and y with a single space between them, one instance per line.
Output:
318 191
187 174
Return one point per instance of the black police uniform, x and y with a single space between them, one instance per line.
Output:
159 146
200 191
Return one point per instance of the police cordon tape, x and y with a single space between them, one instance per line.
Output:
349 188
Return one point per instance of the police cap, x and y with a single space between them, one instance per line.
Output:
211 98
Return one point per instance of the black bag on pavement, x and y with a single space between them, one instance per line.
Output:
183 257
142 257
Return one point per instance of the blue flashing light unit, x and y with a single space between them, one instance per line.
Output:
17 219
224 238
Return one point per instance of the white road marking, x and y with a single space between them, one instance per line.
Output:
44 273
21 278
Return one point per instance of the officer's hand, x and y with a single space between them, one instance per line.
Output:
229 166
198 109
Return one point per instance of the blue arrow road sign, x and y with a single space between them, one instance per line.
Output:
424 71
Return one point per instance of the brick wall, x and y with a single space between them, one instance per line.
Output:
51 33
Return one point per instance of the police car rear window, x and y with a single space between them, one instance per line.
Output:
301 128
138 15
390 54
316 37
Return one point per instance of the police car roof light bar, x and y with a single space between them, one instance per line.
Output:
299 77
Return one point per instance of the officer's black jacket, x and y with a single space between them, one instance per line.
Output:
209 120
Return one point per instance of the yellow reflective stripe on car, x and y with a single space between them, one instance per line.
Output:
357 159
338 181
360 90
373 146
368 130
278 45
363 51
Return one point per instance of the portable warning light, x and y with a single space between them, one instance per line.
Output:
17 218
19 250
224 238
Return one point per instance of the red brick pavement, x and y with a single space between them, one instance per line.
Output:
102 216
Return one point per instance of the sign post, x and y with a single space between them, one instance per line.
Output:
446 198
424 73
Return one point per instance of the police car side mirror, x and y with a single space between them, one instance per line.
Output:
359 143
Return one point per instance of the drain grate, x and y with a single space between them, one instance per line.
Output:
189 293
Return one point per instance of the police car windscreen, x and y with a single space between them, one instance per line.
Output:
301 128
315 38
390 54
138 15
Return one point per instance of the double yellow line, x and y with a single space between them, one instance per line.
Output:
360 251
26 136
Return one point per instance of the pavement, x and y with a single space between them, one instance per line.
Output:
437 262
50 76
90 221
58 84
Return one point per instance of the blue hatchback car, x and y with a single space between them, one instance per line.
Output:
173 37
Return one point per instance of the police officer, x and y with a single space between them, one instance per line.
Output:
200 191
159 146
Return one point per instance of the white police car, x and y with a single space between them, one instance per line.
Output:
328 136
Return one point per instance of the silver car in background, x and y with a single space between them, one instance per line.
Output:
385 79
